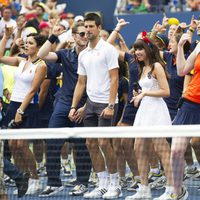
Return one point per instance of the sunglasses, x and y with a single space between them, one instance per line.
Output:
70 17
82 34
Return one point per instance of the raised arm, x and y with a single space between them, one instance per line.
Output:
185 66
45 51
14 61
115 34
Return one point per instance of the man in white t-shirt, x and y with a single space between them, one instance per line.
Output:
7 21
98 72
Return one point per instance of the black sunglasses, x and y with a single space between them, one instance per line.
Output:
82 34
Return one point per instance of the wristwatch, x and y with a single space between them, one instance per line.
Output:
111 106
19 110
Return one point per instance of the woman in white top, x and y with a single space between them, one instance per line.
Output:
29 75
152 111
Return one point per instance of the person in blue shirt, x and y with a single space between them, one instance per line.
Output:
62 105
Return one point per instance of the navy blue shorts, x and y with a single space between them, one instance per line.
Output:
189 113
31 113
129 114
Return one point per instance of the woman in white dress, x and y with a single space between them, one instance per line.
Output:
152 111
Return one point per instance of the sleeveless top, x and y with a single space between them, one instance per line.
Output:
23 81
192 92
152 111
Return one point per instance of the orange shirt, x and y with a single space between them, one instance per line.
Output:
4 2
192 92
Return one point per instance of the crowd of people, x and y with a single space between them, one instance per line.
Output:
156 6
61 70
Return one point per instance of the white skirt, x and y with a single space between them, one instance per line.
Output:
152 111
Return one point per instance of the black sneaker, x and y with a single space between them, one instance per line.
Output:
22 184
50 191
78 190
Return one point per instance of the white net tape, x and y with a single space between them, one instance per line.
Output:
103 132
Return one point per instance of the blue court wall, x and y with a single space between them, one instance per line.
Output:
106 7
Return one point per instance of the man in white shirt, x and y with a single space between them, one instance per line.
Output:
7 21
98 72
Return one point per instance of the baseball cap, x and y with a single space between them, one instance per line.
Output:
64 23
79 18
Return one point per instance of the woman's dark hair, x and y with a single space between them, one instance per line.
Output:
39 39
93 17
153 55
123 68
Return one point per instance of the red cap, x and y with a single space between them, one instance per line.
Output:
30 16
43 25
63 16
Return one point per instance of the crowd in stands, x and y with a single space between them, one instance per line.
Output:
61 70
155 6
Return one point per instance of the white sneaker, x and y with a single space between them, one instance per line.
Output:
182 196
34 186
95 194
166 196
143 192
113 193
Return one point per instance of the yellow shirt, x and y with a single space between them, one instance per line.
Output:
8 73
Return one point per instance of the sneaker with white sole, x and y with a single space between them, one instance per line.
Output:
71 182
41 171
159 183
166 195
78 190
95 194
67 171
50 191
190 172
154 176
113 193
182 196
123 183
34 186
134 185
143 193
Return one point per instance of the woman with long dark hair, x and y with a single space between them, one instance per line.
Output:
152 111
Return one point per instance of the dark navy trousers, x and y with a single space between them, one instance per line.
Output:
58 119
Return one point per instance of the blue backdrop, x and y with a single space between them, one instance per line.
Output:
138 22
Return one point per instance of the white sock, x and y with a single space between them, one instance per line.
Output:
114 180
103 179
170 189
